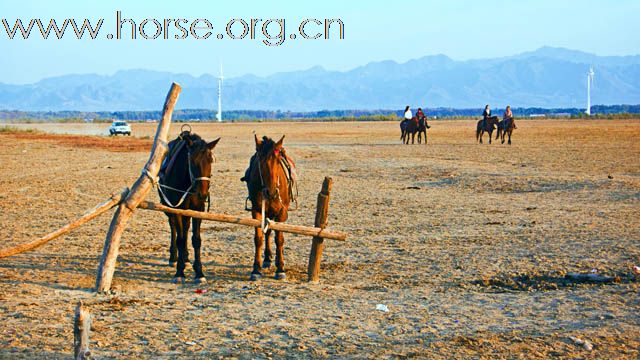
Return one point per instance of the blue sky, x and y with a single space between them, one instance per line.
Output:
374 30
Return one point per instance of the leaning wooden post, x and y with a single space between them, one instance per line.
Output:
81 327
138 192
322 210
88 216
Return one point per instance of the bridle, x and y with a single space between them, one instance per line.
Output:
266 195
185 193
265 189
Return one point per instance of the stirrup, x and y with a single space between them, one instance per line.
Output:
246 208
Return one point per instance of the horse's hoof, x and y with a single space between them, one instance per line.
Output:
178 280
200 280
255 277
266 264
280 276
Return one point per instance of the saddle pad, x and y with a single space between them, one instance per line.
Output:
171 157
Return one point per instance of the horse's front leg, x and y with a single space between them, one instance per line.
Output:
481 135
258 241
509 138
182 231
268 255
280 272
173 249
490 135
196 241
413 138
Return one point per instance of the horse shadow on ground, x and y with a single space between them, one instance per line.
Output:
72 272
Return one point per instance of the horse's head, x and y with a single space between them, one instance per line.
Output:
269 157
200 157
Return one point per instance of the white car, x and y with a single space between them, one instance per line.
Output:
120 127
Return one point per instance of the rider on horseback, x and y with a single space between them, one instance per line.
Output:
420 115
408 115
508 115
486 114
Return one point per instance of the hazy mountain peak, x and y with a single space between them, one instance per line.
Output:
546 77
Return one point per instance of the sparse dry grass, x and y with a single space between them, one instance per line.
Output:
466 244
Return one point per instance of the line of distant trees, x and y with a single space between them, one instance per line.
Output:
194 115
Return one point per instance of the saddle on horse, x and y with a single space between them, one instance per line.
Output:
175 146
289 170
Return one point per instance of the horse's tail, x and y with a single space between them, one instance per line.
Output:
478 131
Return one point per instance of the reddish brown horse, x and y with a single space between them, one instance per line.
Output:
269 182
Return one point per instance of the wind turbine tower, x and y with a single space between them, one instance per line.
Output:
589 84
220 80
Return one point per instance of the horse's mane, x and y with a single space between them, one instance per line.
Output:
266 146
198 144
195 138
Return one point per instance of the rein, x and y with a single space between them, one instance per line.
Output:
291 184
155 181
265 193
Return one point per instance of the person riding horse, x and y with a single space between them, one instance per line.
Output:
508 115
486 114
408 115
420 116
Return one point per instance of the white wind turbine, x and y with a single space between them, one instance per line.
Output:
589 84
220 80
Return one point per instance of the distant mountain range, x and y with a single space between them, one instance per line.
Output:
547 77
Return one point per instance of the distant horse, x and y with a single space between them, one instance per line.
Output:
409 127
489 125
184 184
422 129
505 127
269 181
403 129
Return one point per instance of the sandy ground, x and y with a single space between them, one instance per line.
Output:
466 244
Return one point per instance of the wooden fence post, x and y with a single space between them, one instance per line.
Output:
138 192
81 327
317 246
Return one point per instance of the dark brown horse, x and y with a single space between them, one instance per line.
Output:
403 129
505 127
409 127
486 125
422 129
184 184
269 183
